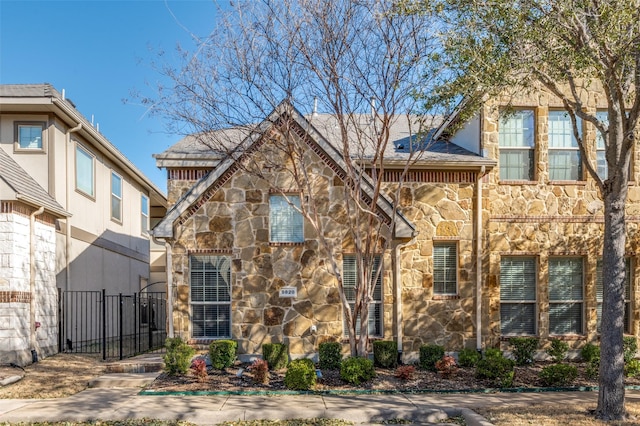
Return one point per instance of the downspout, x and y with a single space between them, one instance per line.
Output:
32 282
67 231
479 259
398 273
169 273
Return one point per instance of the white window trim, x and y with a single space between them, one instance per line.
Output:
81 147
556 150
521 148
533 302
144 230
35 123
204 303
569 301
113 195
457 266
372 303
288 198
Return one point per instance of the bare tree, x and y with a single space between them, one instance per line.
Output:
359 62
567 47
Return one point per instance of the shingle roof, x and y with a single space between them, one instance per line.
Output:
26 188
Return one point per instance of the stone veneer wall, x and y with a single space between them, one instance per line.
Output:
544 218
15 290
235 222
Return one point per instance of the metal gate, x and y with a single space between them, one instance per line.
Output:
116 326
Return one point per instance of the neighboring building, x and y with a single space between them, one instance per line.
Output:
98 208
508 235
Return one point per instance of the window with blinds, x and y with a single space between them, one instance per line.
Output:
518 296
350 283
210 279
286 222
445 268
627 295
566 295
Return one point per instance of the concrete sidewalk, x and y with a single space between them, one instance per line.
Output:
120 403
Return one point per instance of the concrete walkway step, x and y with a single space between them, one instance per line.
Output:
123 380
147 364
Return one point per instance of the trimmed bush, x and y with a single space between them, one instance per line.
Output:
523 349
177 359
222 353
429 355
593 369
632 368
199 369
558 350
300 375
330 355
629 348
355 370
385 353
558 374
468 357
276 354
590 353
497 369
492 353
405 372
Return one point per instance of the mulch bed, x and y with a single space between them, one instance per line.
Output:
385 380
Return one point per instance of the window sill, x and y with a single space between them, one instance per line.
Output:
29 151
568 182
445 297
568 337
506 337
518 182
285 244
84 194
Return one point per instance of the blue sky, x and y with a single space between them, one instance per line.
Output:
99 52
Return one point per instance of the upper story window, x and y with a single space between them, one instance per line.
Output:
116 197
144 213
285 219
29 136
516 142
445 268
351 276
601 158
518 295
564 155
85 171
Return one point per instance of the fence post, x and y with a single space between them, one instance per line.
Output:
136 329
150 319
104 324
120 323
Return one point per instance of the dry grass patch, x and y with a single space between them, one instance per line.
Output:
553 415
57 376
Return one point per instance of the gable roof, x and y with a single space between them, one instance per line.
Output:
225 168
25 188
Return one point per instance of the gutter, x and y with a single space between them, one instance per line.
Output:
169 275
32 282
479 258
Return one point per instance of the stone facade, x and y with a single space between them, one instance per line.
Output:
15 295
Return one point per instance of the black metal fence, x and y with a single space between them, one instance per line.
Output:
116 326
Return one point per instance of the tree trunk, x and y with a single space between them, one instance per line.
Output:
611 374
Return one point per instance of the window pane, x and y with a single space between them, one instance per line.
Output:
30 136
445 268
517 318
561 130
565 318
516 129
516 164
350 280
286 222
565 284
116 196
210 280
565 165
627 294
84 171
144 213
604 118
518 279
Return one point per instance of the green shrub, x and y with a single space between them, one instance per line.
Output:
593 369
330 355
523 349
177 359
558 350
222 353
629 348
355 370
300 375
260 370
276 355
632 368
492 353
385 353
468 357
429 355
590 353
558 374
496 368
